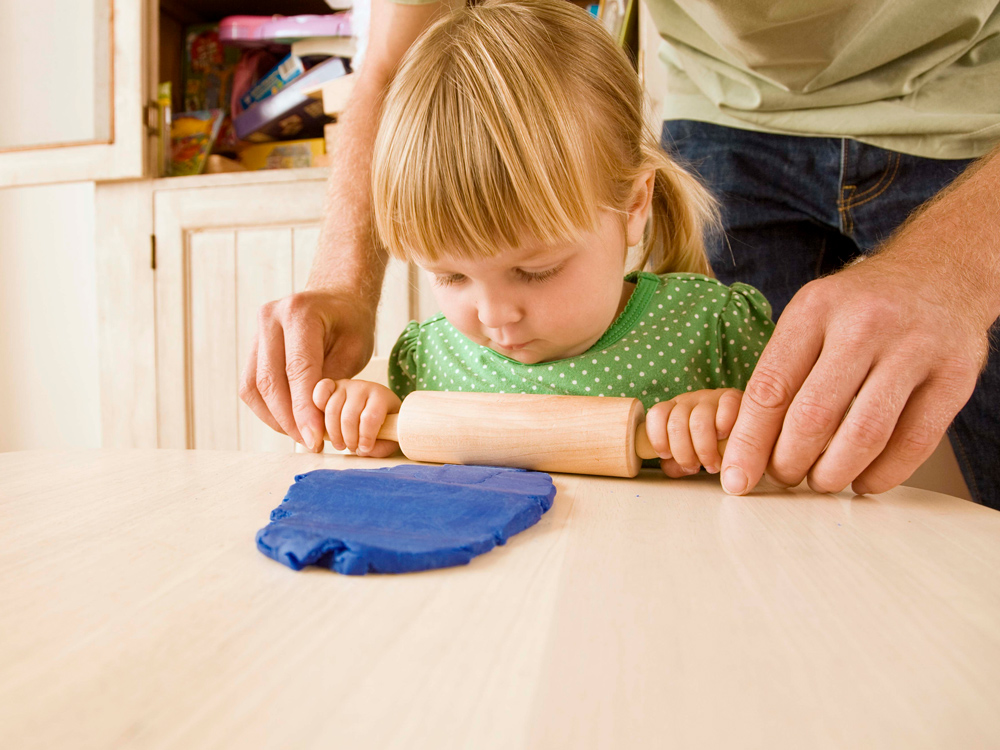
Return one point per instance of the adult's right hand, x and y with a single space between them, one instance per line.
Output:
300 340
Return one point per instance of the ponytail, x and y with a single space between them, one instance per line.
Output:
682 212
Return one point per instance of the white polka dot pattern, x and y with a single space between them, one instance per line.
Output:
678 333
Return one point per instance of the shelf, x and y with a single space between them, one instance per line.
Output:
228 179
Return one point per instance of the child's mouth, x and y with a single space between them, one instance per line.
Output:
513 347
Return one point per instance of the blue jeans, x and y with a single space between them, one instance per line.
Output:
795 208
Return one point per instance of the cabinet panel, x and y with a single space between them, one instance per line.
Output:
99 133
304 241
263 273
213 348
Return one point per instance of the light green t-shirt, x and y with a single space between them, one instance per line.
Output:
678 333
917 76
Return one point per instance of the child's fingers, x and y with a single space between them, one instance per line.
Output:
729 409
350 419
673 469
322 392
704 436
370 422
679 432
656 428
383 449
331 417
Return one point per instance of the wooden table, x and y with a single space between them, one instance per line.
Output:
135 611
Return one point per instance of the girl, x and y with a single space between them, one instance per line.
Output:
513 164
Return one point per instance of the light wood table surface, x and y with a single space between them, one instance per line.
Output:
136 611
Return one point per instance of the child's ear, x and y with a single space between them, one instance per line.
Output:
639 206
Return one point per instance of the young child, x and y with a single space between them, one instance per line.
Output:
513 164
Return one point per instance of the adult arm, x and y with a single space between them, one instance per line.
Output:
877 359
327 330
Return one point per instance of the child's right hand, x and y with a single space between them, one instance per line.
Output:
354 411
685 431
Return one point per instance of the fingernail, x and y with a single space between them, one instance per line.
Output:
712 469
860 488
308 440
734 481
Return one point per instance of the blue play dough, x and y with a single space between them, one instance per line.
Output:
402 519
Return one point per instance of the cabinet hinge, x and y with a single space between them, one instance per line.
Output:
152 251
151 113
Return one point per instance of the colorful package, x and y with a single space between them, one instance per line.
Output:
208 76
191 138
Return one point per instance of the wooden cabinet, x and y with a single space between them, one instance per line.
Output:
174 338
78 77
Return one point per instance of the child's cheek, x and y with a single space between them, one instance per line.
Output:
459 313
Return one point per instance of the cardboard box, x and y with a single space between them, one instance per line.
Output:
283 154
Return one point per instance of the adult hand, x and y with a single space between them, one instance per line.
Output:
300 340
864 373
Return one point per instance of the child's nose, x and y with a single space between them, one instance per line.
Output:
498 311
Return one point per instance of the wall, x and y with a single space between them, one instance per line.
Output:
49 395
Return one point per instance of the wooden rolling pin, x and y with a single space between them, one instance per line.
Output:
572 434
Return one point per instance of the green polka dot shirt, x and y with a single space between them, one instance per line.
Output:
679 332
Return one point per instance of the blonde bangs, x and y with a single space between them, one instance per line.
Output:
479 147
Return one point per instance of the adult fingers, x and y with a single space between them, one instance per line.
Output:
781 369
816 412
303 368
705 437
249 393
271 380
865 429
926 416
332 417
679 432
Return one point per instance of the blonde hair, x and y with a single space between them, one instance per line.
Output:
522 118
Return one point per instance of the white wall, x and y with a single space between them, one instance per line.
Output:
49 393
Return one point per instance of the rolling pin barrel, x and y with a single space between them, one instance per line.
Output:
572 434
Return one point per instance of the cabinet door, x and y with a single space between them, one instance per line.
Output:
75 90
221 254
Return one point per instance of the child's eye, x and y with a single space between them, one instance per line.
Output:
449 279
534 276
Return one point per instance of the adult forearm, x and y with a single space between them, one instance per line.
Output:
348 262
347 259
954 242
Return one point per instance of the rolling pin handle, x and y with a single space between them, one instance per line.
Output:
643 448
389 429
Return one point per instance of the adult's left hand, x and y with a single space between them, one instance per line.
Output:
874 362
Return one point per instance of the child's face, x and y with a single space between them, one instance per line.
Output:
538 303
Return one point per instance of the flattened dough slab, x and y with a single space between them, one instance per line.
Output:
402 519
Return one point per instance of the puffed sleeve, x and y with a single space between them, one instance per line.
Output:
745 326
404 362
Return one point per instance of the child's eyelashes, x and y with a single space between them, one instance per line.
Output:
452 279
449 279
538 275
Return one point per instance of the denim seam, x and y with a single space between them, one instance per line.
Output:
845 218
874 187
854 202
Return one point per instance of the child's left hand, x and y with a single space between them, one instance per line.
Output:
685 431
